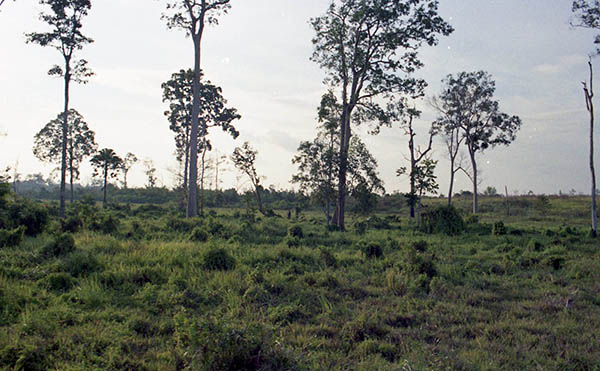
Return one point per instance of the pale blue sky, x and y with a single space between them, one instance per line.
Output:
259 55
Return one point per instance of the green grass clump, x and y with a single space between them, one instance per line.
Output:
60 245
442 219
218 259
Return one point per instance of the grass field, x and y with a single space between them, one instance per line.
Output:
235 291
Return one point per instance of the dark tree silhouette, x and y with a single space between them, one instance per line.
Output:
466 104
108 164
369 49
192 16
47 145
64 19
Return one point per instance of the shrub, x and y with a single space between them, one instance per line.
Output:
29 214
58 281
442 219
10 238
498 228
106 223
292 241
81 263
371 249
360 227
376 222
327 257
296 231
198 234
420 245
534 245
60 245
71 224
218 259
472 219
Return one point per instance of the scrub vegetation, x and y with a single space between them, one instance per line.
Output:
142 288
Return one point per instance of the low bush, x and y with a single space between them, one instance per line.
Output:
13 237
60 245
360 227
199 234
81 264
295 231
60 281
498 229
442 219
218 259
327 257
371 249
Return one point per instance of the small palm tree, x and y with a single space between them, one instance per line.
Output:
107 163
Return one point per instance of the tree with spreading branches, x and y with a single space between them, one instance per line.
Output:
369 49
64 19
80 143
466 104
128 162
192 16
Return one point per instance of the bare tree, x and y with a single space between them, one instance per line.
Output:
417 154
589 95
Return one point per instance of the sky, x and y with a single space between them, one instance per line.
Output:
260 55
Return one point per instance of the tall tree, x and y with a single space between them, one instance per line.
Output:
48 143
178 91
588 16
108 164
244 159
64 19
369 49
467 105
192 16
128 162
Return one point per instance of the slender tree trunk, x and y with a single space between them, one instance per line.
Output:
259 199
63 160
411 146
202 171
589 94
475 195
71 178
105 184
192 206
451 181
344 146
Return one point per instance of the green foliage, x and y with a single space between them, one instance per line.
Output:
60 281
199 234
33 216
371 249
498 229
105 222
60 245
360 227
327 257
442 219
218 259
13 237
296 231
81 264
